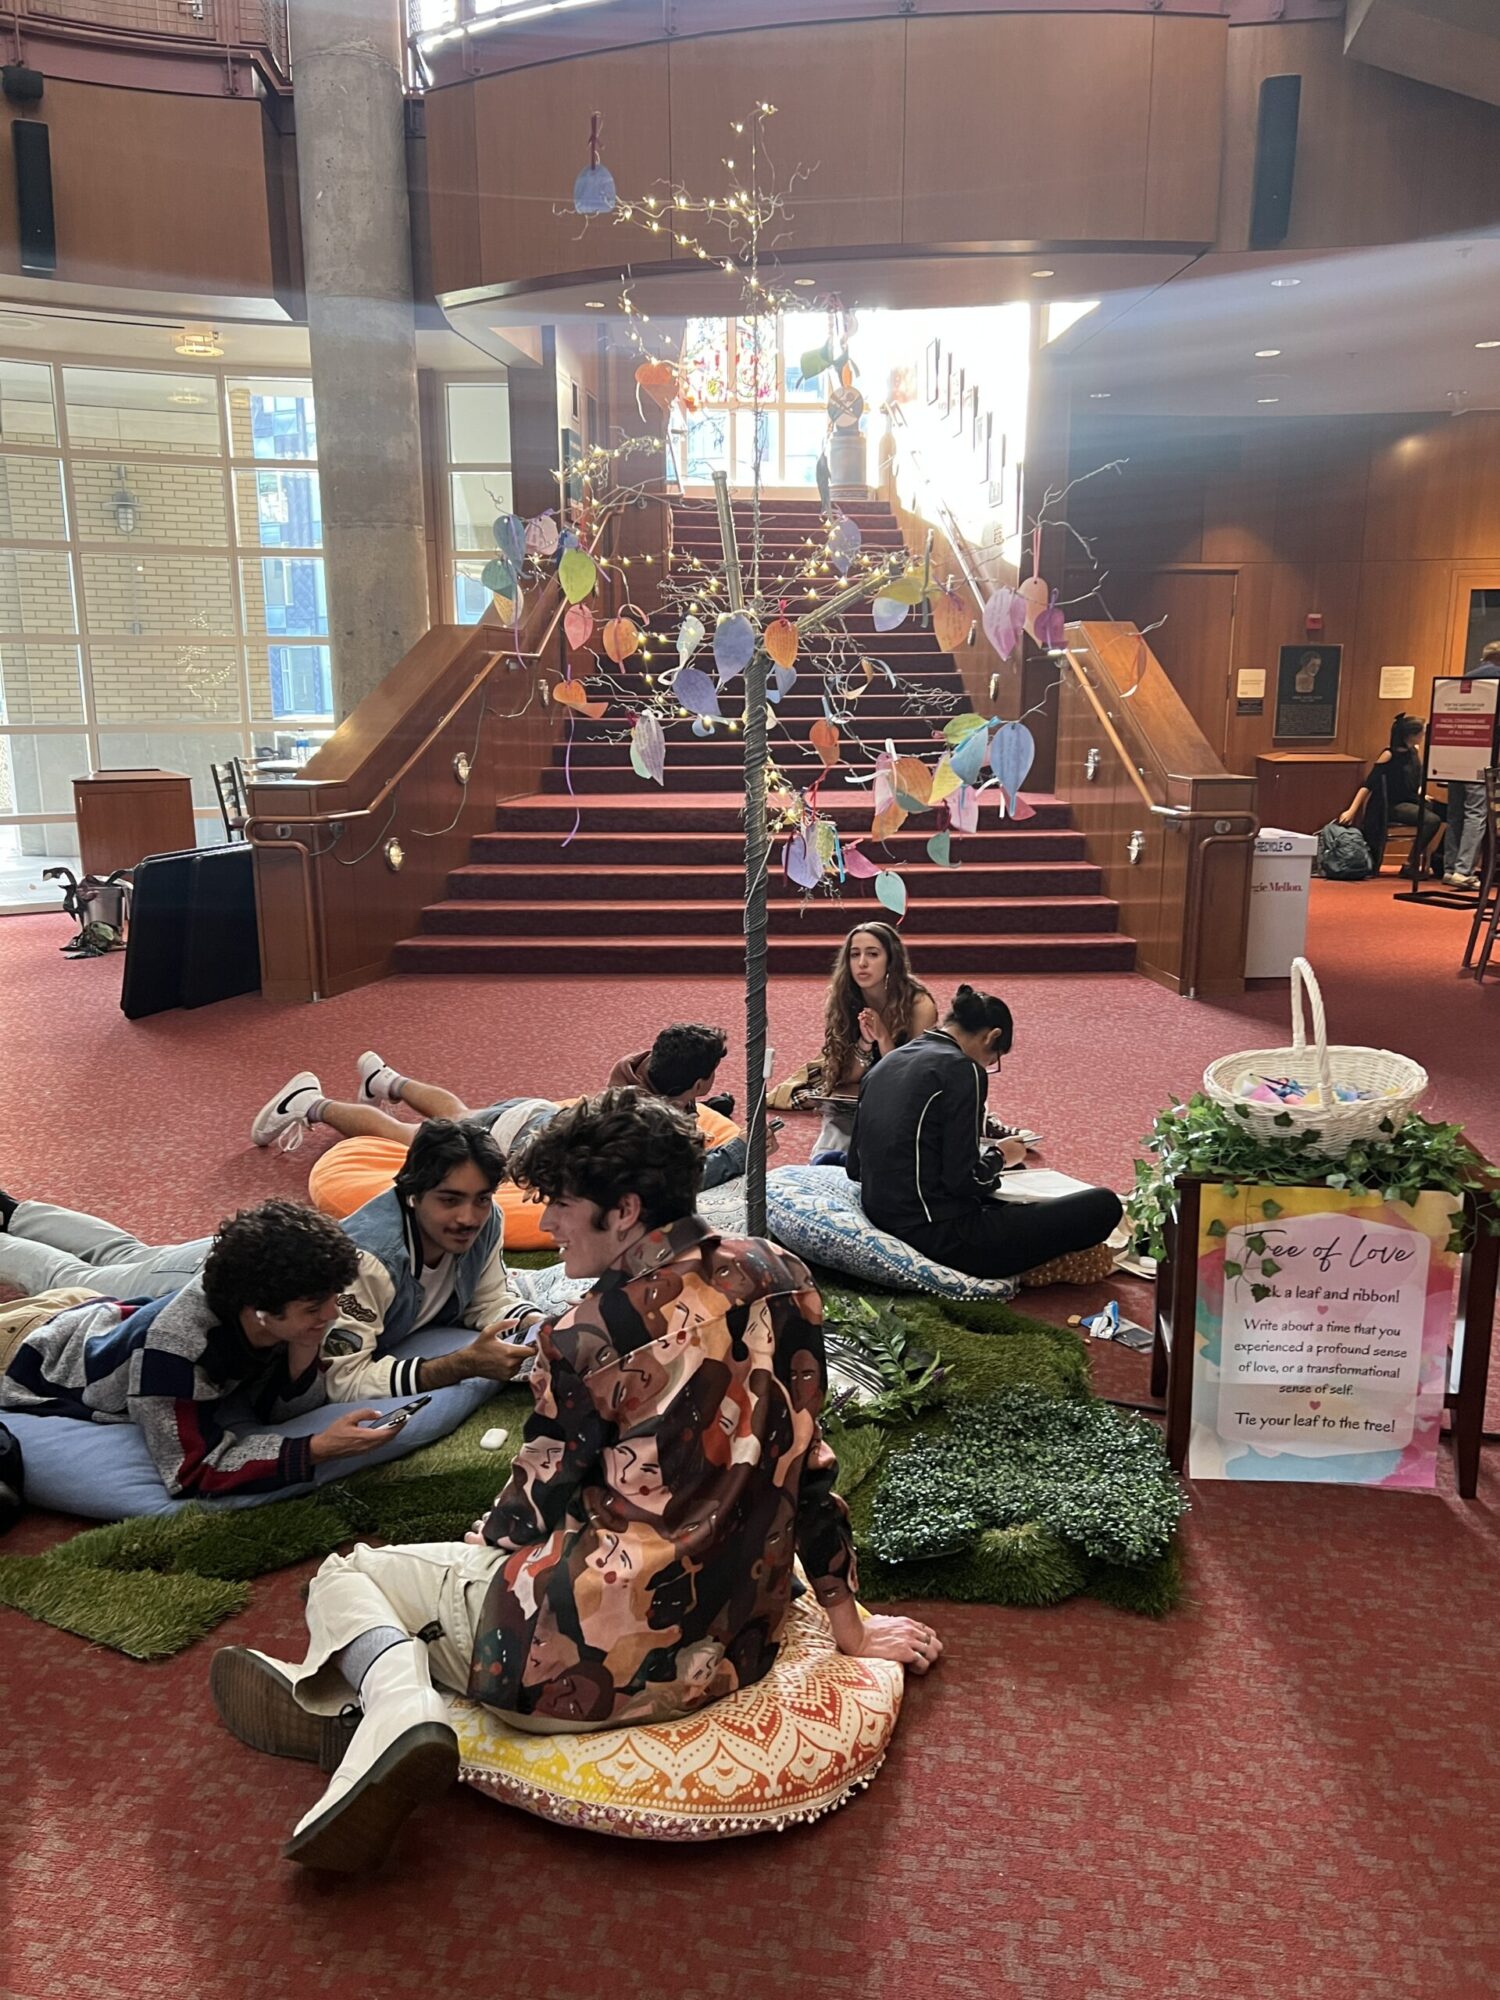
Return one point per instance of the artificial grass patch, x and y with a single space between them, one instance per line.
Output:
152 1586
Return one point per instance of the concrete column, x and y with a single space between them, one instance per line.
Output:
356 249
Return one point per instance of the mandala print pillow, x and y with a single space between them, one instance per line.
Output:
815 1212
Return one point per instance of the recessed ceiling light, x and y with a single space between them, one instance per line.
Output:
1268 399
1266 353
804 282
1487 343
199 343
1044 274
1100 395
1285 284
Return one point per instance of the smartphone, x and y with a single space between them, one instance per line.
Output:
394 1419
775 1124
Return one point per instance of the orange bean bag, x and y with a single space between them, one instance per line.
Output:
356 1170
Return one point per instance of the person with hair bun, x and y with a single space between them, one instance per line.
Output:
924 1171
1392 796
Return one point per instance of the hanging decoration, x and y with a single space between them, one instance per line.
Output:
781 639
622 639
734 644
577 573
950 620
1012 750
690 635
574 695
694 691
1004 621
541 534
648 747
891 891
844 541
1035 595
594 189
578 625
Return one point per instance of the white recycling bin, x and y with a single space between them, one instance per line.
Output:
1280 881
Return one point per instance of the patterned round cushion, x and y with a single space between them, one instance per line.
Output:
1078 1267
815 1212
796 1745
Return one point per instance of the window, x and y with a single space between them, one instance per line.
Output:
477 437
162 591
743 396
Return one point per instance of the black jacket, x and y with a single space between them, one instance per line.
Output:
916 1149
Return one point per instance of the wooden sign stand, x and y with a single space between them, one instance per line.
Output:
1172 1359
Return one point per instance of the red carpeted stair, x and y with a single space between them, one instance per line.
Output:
653 880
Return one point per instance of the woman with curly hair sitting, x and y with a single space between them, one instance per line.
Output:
874 1004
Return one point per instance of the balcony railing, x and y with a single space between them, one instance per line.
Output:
232 31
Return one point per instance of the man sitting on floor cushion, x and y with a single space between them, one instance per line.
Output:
679 1066
638 1564
252 1325
924 1171
430 1250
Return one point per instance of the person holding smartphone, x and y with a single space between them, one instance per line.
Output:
638 1564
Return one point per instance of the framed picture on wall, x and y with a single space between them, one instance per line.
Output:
932 370
1307 691
976 422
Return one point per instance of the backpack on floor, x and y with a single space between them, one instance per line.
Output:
1342 854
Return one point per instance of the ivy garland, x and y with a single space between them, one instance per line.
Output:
1098 1481
1202 1137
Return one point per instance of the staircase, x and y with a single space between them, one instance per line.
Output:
653 881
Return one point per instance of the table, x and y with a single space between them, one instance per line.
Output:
1302 790
125 815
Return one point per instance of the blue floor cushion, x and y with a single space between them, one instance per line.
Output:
105 1473
815 1212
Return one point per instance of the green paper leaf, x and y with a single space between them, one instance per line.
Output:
499 577
814 361
577 574
957 727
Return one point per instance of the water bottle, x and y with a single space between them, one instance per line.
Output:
300 747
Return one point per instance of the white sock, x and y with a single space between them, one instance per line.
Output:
355 1660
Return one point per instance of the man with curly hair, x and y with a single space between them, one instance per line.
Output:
250 1326
638 1564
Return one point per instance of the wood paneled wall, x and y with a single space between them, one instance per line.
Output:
1236 532
922 130
153 191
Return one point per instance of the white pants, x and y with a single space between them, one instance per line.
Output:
415 1588
45 1249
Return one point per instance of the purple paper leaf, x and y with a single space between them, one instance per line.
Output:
734 643
858 864
889 612
1051 626
648 747
844 541
963 810
783 680
1005 621
541 535
802 867
693 690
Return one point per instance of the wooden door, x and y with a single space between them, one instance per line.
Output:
1195 639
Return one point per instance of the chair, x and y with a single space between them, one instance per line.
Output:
229 785
1487 909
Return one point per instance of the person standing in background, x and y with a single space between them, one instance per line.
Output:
1466 801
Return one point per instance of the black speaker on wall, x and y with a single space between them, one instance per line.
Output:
34 195
1275 161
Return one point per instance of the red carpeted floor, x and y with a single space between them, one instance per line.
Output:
1286 1789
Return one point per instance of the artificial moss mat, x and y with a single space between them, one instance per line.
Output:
152 1586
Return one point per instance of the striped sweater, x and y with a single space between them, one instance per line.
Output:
169 1367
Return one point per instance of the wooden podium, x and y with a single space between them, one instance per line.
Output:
125 815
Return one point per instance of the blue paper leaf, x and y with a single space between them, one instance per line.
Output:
594 192
1012 750
693 690
940 849
499 577
889 612
510 538
967 758
734 643
689 638
844 540
702 728
891 891
783 680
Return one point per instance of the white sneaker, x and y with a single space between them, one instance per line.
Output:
283 1120
1460 881
404 1753
376 1080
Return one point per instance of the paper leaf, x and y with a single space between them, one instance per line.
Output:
594 192
844 542
541 535
622 637
689 638
888 820
648 747
1004 621
499 576
578 625
963 810
783 680
907 589
577 575
951 620
1012 751
574 695
858 864
510 538
694 691
508 609
940 849
734 643
957 727
825 482
889 612
825 839
1035 595
913 782
803 868
967 757
891 890
945 782
781 641
702 728
1051 626
824 738
813 363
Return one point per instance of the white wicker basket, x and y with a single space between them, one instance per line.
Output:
1394 1082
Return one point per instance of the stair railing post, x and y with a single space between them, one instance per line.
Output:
757 867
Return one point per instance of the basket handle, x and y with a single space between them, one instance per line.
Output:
1307 993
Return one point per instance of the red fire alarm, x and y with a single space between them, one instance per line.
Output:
1314 624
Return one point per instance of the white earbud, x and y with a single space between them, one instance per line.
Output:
261 1317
